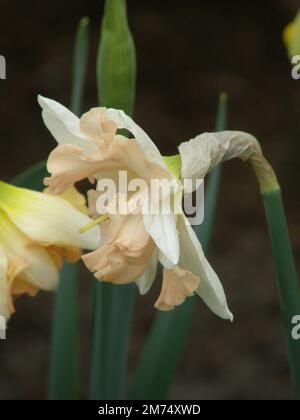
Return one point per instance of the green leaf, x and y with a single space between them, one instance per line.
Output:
288 286
64 359
112 312
113 305
164 346
32 177
81 49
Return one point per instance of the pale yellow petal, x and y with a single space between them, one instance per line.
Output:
40 270
47 219
78 201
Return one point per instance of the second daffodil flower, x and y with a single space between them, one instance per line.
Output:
291 36
132 244
36 231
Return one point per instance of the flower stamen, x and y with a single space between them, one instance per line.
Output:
94 223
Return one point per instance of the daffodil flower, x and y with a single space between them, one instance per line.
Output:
36 231
291 36
132 244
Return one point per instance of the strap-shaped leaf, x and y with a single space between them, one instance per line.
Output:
64 361
164 346
113 305
288 285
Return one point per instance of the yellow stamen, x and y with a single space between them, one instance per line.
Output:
94 223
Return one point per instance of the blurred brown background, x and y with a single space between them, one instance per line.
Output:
188 52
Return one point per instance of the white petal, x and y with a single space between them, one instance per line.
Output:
165 262
192 258
146 280
147 145
162 229
48 219
64 125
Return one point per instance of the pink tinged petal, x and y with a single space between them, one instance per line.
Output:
126 250
147 145
109 265
162 229
92 196
69 164
125 275
192 258
73 196
129 231
178 284
130 156
64 125
17 286
95 123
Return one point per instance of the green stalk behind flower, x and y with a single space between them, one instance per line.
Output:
64 356
164 346
116 62
112 305
288 286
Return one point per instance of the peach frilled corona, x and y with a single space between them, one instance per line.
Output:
37 231
132 244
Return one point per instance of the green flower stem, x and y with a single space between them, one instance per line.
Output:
116 62
113 305
165 344
81 50
64 357
288 286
